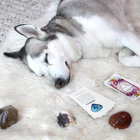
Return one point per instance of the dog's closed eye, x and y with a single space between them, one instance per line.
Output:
46 58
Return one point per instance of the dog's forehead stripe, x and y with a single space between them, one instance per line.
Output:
35 46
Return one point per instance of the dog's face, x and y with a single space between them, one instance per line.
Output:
44 55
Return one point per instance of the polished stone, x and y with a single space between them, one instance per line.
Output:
120 120
8 116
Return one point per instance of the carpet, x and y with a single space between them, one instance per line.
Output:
19 11
39 102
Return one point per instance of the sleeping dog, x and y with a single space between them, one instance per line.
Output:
79 29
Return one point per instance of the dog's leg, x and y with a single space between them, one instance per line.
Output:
131 41
128 58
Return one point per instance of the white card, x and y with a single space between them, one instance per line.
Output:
95 104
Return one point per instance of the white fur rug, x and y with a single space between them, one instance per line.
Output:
39 102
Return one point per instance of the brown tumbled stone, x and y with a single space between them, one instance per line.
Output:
120 120
8 116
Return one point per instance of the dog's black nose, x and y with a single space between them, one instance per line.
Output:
59 83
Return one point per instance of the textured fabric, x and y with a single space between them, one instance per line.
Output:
13 12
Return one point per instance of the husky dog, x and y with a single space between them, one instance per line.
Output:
79 29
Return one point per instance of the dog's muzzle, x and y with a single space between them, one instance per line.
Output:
59 83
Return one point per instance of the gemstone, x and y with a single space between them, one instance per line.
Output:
120 120
65 119
96 107
8 116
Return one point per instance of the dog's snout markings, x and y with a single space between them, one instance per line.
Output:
67 65
68 79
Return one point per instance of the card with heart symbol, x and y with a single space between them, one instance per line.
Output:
94 103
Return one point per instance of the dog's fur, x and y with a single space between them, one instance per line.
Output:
79 29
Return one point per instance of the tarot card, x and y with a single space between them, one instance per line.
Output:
123 85
95 104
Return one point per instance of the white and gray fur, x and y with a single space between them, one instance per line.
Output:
80 29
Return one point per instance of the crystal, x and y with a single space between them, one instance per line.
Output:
65 119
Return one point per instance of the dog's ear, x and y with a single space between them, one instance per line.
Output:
12 54
30 31
18 54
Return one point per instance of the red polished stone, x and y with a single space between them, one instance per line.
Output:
120 120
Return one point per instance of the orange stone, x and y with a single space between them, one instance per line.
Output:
120 120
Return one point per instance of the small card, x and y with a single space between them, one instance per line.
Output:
123 85
95 104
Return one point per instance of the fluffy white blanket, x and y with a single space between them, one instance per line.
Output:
39 102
